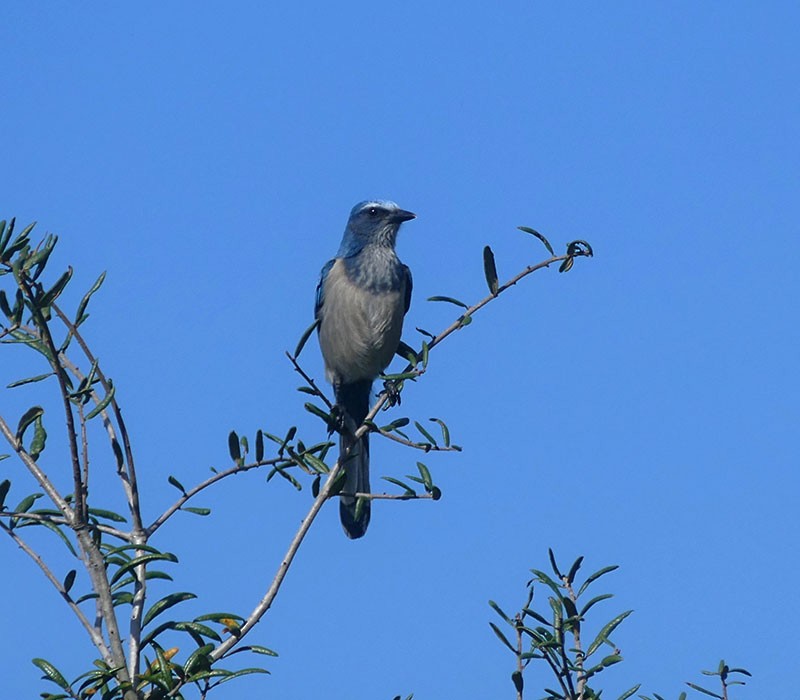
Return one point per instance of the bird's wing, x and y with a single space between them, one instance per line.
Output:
320 297
409 285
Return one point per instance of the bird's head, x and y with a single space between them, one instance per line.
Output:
373 222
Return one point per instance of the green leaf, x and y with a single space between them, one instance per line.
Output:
603 634
397 482
502 637
544 578
596 575
304 338
566 266
536 616
574 570
233 446
107 515
399 423
69 579
703 690
516 679
465 320
490 270
424 472
259 650
449 300
594 600
164 604
5 485
425 352
29 380
197 511
242 672
39 439
445 430
51 673
219 617
54 292
103 402
317 411
553 563
628 693
259 446
144 559
610 660
57 529
539 236
27 418
177 484
79 314
500 612
425 433
198 659
197 631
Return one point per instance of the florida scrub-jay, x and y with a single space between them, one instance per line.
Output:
362 297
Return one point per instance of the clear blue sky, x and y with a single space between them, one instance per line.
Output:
641 410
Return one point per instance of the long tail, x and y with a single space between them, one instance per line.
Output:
353 399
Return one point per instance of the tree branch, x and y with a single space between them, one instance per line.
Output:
94 633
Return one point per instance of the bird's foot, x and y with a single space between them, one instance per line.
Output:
392 389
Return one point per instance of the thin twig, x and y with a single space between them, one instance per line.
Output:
94 632
128 476
37 472
61 520
238 469
317 391
424 446
392 496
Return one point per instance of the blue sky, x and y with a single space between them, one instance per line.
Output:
641 410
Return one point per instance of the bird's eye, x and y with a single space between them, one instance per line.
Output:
372 211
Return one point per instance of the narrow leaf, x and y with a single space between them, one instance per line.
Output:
539 236
82 306
164 604
233 446
54 292
51 673
502 637
103 403
27 418
304 338
29 380
259 446
574 570
197 511
603 634
177 484
596 575
5 485
700 689
490 270
69 579
449 300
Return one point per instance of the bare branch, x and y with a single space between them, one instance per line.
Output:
175 507
94 632
37 472
128 476
60 520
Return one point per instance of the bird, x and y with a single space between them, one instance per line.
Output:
362 297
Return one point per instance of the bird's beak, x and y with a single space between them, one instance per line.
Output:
402 215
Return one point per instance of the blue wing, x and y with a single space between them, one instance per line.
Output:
320 296
409 285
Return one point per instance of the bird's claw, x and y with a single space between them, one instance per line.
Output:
392 390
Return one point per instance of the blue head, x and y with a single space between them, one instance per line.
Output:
374 222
